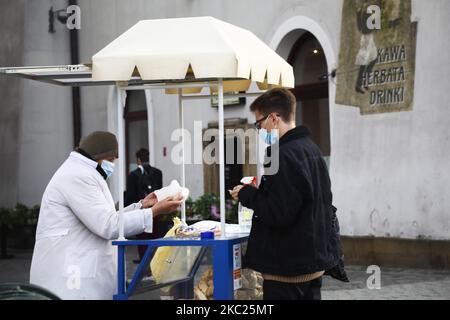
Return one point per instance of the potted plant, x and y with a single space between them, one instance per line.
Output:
22 222
231 211
4 226
207 206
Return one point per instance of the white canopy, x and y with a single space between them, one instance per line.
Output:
181 56
200 47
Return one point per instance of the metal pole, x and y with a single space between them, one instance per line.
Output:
121 160
228 95
121 273
76 95
169 86
151 126
183 172
221 159
259 159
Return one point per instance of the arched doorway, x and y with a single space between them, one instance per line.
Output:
311 89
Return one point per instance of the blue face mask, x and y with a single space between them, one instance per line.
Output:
108 167
269 138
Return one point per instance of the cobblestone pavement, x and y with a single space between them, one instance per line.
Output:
16 269
396 283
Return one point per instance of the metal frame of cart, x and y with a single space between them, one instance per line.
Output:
222 250
235 55
79 75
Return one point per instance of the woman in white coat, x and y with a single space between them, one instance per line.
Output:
73 256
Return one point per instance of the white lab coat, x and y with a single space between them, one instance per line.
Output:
73 256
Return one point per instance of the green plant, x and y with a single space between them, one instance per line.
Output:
19 215
231 211
34 215
207 207
5 216
204 205
189 204
21 222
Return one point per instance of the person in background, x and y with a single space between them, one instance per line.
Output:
140 183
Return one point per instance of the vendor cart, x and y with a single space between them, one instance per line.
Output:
224 262
182 56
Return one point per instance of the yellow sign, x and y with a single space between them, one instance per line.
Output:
377 56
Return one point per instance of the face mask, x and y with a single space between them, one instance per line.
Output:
108 167
269 138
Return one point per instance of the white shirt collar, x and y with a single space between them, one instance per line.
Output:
80 157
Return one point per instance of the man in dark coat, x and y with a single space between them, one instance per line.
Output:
144 180
294 236
141 182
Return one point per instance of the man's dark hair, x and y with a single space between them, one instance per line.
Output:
277 100
143 154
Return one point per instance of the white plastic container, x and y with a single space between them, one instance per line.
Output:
245 216
249 180
172 190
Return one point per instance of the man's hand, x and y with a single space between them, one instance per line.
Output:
167 205
149 201
235 192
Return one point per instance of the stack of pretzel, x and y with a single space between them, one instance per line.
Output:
251 286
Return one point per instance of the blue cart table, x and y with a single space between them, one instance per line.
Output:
222 250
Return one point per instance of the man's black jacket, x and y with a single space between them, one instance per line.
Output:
293 229
140 184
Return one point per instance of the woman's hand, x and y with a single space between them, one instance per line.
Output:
235 192
167 205
149 201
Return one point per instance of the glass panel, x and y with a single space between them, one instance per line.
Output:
137 139
233 165
179 263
